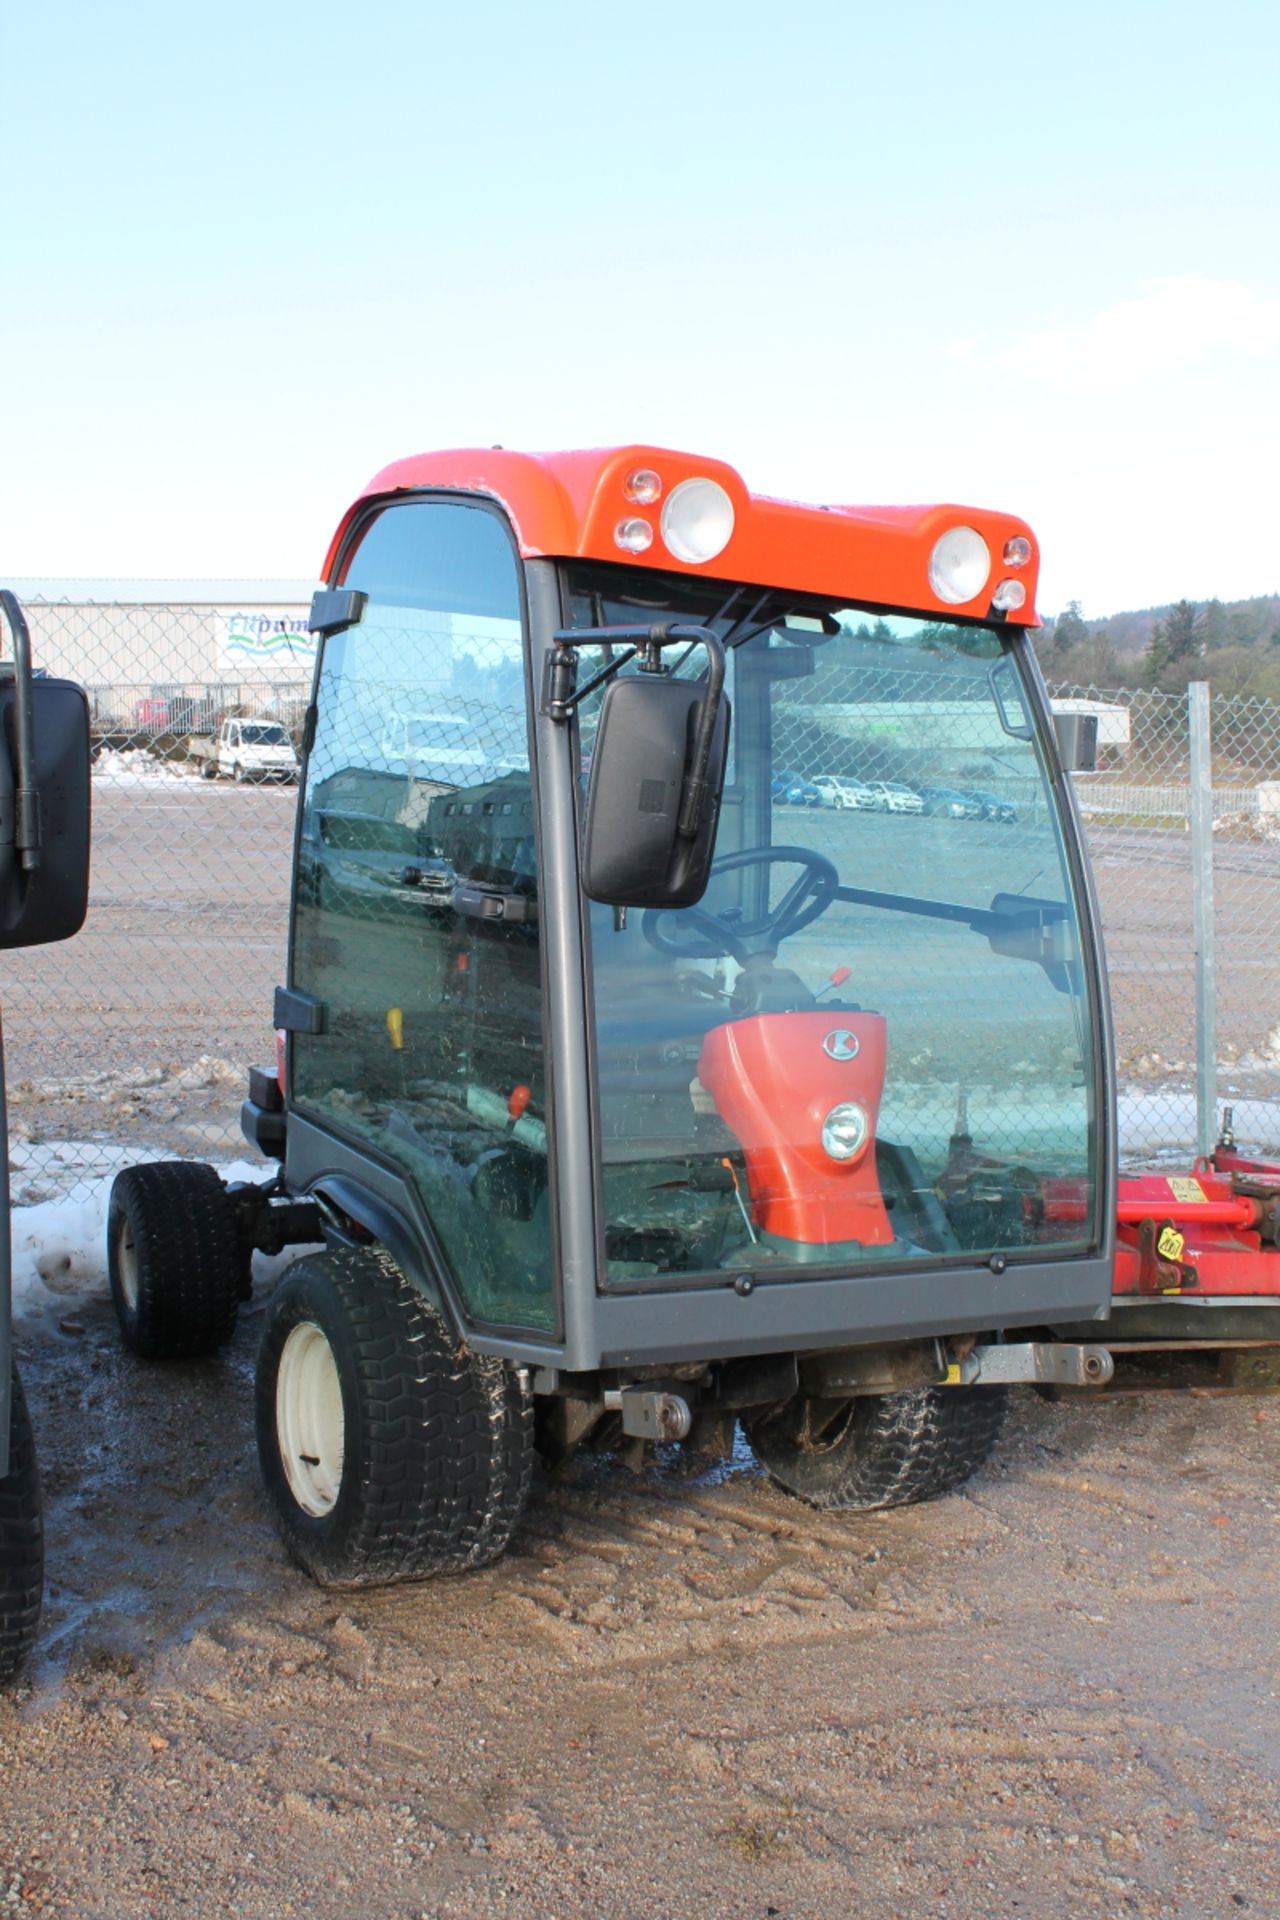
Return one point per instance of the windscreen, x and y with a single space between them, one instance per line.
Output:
872 1040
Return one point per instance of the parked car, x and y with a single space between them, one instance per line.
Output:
890 796
794 791
950 803
842 790
993 806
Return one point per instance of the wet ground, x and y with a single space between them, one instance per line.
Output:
680 1694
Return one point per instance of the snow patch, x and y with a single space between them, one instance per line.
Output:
137 767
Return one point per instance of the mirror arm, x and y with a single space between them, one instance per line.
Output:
26 826
560 696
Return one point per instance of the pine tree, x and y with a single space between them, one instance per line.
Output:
1069 629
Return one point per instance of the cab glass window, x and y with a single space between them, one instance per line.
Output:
872 1040
417 901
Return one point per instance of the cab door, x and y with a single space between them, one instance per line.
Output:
416 925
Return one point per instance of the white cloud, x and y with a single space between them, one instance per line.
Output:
1190 318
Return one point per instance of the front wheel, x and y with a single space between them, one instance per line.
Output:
881 1450
173 1258
389 1450
21 1540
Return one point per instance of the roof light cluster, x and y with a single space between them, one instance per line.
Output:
695 519
960 566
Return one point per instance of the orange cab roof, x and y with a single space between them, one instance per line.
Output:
564 505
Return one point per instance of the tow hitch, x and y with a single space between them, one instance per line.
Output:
1033 1362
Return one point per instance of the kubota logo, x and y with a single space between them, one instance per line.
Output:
840 1044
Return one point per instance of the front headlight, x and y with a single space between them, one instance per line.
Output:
697 521
845 1131
959 565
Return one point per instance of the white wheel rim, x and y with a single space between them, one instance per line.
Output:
310 1430
127 1266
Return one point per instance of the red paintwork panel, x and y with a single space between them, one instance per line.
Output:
1212 1246
774 1084
567 505
1226 1264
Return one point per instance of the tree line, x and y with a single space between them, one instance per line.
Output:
1234 645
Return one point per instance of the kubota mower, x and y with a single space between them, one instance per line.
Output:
657 1054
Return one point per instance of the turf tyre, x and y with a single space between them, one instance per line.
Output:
174 1260
886 1450
21 1540
430 1469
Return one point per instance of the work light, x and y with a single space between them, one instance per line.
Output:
1009 596
959 565
697 520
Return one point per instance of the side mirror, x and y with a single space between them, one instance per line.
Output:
651 813
44 798
1077 735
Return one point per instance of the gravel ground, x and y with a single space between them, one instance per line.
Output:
681 1693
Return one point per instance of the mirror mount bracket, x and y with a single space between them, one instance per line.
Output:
644 645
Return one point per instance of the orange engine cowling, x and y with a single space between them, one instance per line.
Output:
775 1079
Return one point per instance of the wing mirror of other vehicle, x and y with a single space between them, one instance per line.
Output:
657 775
44 798
1077 735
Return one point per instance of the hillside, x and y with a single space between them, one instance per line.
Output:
1234 644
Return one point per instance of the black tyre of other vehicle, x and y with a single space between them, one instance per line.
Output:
21 1541
174 1260
389 1451
881 1450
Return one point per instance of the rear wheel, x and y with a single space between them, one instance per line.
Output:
174 1260
881 1450
21 1540
389 1451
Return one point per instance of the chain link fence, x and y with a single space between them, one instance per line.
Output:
134 1039
1175 991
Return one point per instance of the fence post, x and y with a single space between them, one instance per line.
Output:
1202 903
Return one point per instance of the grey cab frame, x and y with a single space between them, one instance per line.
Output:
717 1317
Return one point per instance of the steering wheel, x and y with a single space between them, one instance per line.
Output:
702 935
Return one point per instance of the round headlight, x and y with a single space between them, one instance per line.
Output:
845 1131
697 520
1009 596
959 565
1017 551
633 536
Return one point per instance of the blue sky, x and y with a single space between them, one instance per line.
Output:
1022 257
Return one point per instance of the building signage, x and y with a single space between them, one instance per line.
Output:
267 642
